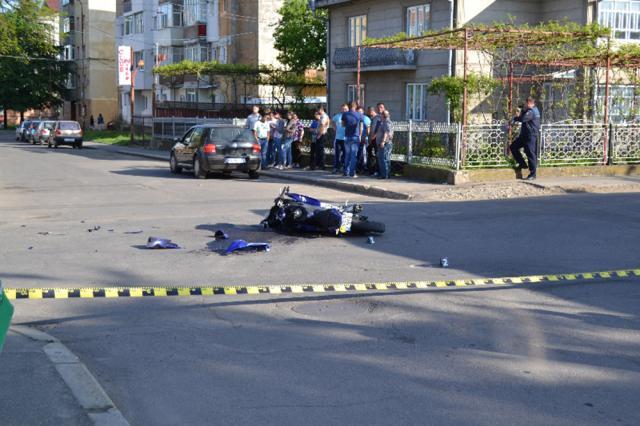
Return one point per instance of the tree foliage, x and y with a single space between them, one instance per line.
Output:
33 77
300 36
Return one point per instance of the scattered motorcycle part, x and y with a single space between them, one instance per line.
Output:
242 246
370 240
161 243
444 262
221 235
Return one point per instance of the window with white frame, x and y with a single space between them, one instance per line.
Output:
168 16
64 2
196 53
623 103
416 101
418 18
352 94
219 54
66 24
190 95
68 53
134 24
357 30
194 11
622 16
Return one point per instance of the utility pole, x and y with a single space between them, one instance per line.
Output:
134 73
155 81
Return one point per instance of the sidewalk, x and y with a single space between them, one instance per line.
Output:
405 189
31 390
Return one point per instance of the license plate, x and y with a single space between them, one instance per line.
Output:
235 161
69 139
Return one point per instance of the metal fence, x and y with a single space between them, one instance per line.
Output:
474 146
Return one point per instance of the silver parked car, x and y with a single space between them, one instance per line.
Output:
21 129
43 132
66 133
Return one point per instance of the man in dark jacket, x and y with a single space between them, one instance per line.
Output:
529 134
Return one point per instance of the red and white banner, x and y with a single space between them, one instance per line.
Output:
124 65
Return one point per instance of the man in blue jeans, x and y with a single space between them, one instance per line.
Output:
352 122
384 140
338 142
261 132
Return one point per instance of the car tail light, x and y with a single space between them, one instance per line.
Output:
209 148
81 133
256 148
58 132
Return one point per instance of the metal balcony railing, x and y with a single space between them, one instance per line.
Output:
372 58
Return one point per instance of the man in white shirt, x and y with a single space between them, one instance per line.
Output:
261 130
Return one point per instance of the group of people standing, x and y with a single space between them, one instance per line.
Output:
362 142
280 138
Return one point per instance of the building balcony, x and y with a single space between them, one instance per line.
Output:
374 59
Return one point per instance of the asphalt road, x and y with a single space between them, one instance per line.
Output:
544 354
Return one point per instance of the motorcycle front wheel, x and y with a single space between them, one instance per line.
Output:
359 226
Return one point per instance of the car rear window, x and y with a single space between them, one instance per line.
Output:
49 125
232 134
69 125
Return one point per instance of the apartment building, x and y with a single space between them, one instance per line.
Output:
87 38
167 31
400 78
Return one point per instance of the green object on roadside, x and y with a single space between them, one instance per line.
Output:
6 312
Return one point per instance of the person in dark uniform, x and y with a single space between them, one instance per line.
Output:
529 134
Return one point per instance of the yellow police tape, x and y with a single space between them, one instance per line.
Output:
116 292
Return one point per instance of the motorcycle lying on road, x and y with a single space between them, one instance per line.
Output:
293 213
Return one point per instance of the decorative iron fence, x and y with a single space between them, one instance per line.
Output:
474 146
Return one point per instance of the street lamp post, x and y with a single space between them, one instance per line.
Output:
134 73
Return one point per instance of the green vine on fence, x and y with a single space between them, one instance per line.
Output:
452 88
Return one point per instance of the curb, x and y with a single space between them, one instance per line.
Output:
83 385
372 190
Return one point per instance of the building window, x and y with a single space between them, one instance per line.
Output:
352 94
190 95
134 24
195 11
168 16
71 81
623 103
417 101
65 2
68 53
219 54
66 25
196 53
357 30
137 57
622 16
418 20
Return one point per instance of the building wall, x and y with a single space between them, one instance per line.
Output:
387 17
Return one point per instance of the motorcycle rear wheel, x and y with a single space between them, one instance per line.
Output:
367 227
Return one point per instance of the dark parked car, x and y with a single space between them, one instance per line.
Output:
213 148
66 133
22 129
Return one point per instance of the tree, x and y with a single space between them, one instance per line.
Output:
300 36
33 76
